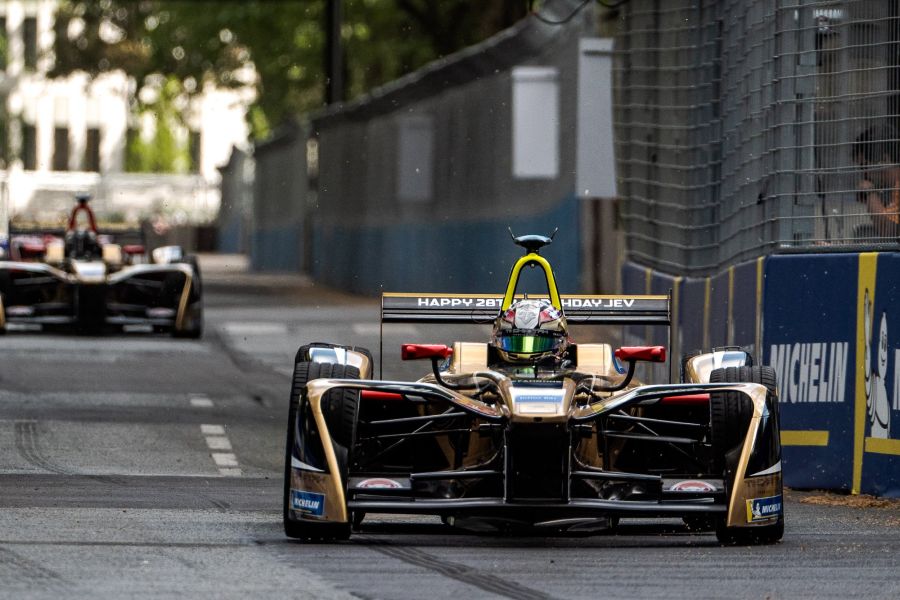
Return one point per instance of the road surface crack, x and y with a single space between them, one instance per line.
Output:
462 573
15 568
27 446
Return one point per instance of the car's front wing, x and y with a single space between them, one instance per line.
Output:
322 490
159 296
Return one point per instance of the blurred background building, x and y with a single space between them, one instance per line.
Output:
59 135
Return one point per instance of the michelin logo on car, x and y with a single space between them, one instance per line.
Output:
308 503
763 509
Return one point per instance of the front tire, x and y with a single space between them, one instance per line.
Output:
730 414
750 536
340 409
194 328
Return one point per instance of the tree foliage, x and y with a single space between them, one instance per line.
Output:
278 47
163 153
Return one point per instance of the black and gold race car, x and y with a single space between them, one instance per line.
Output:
532 429
84 280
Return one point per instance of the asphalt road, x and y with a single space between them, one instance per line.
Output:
142 466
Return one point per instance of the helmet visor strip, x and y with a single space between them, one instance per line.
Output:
528 343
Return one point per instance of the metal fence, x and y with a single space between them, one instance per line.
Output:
416 183
281 196
745 127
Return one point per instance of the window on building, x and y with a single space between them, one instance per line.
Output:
4 44
92 150
61 149
30 38
29 147
4 138
194 151
134 157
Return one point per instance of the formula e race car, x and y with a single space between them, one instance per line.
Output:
84 280
531 429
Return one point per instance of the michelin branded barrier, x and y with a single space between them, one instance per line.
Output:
829 326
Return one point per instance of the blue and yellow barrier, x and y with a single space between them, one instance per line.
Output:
830 326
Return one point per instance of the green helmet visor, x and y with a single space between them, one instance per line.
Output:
528 344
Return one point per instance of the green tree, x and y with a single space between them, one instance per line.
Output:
281 42
164 153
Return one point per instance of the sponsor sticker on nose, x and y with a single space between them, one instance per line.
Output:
763 509
308 503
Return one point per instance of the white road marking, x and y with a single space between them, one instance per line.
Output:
201 401
225 459
226 462
111 347
216 442
255 328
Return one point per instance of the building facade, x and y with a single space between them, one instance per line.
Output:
69 134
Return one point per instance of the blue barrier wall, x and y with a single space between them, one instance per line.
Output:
879 449
810 323
460 257
830 326
746 303
276 249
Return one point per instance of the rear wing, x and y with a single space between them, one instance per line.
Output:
484 308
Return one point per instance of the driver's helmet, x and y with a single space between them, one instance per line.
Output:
530 331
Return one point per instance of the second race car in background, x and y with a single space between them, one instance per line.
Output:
86 281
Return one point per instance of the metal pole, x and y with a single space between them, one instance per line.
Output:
334 58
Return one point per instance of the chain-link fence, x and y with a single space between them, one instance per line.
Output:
745 127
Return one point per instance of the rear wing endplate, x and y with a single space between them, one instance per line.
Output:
484 308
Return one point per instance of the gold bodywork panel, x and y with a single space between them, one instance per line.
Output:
595 358
55 253
697 368
469 357
747 489
329 485
112 254
361 362
185 295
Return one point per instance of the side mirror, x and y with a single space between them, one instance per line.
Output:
645 353
420 351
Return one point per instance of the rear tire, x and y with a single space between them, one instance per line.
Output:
730 414
340 409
